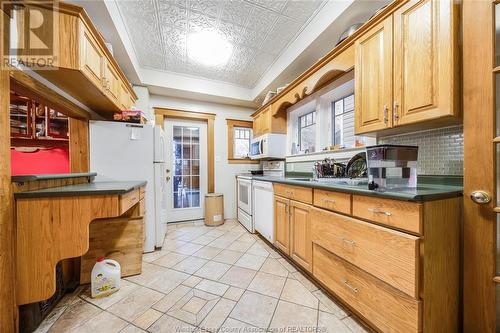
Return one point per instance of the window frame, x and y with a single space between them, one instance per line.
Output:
300 127
333 115
232 124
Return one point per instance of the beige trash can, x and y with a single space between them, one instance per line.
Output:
214 209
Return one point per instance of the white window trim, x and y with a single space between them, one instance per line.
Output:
322 102
249 141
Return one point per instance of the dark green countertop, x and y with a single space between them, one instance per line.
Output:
30 178
95 188
430 190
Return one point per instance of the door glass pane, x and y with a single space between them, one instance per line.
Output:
195 135
195 152
187 167
186 151
195 167
497 34
195 183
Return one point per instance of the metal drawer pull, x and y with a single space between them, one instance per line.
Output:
289 192
378 211
348 241
350 287
329 200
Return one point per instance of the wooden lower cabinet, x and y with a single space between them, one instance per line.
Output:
394 263
293 230
300 234
282 224
385 307
389 255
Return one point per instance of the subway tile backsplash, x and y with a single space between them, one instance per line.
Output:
440 152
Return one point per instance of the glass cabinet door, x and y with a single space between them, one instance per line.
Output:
20 116
57 124
40 120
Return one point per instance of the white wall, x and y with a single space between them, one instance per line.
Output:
225 173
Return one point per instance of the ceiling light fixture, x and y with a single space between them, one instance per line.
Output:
208 48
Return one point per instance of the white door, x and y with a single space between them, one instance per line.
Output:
186 165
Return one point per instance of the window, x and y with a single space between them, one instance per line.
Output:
239 136
343 121
307 131
241 142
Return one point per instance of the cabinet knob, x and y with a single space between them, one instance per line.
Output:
480 197
386 114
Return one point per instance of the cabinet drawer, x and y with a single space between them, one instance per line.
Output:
338 202
385 307
129 199
389 255
400 214
296 193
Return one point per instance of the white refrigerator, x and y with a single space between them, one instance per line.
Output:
126 151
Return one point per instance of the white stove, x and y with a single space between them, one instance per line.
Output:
246 195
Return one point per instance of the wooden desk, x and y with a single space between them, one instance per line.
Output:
53 224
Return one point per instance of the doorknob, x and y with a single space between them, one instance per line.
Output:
168 170
168 178
480 197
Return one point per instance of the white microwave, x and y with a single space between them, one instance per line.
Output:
268 146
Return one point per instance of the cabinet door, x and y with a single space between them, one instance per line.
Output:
92 59
265 121
373 78
112 82
300 235
256 126
125 99
424 48
282 224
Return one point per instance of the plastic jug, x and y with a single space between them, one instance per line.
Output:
105 278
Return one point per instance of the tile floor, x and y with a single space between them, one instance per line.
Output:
206 279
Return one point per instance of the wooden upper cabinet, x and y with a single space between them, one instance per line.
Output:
92 59
265 123
111 82
126 100
424 63
256 126
373 83
86 68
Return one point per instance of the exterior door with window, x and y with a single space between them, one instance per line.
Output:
187 162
